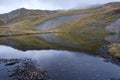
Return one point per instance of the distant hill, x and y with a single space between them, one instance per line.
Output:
23 21
23 13
112 4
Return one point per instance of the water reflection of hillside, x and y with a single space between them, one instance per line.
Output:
93 44
70 42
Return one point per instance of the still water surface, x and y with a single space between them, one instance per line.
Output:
65 65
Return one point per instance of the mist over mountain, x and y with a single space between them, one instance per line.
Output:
9 5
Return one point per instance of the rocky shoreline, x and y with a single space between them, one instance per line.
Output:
114 50
22 69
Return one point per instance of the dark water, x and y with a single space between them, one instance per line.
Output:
65 65
66 57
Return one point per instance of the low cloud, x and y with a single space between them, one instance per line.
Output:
8 5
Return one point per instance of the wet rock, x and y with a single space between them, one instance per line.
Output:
12 62
28 70
104 49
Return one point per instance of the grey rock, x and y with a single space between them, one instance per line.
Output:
114 27
57 21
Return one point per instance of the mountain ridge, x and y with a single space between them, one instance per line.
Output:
27 19
22 12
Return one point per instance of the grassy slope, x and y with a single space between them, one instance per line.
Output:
24 23
1 23
30 22
94 23
100 16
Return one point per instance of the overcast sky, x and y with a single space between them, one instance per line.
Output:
8 5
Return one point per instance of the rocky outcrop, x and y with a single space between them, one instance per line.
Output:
28 71
114 50
21 69
114 27
57 21
113 38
